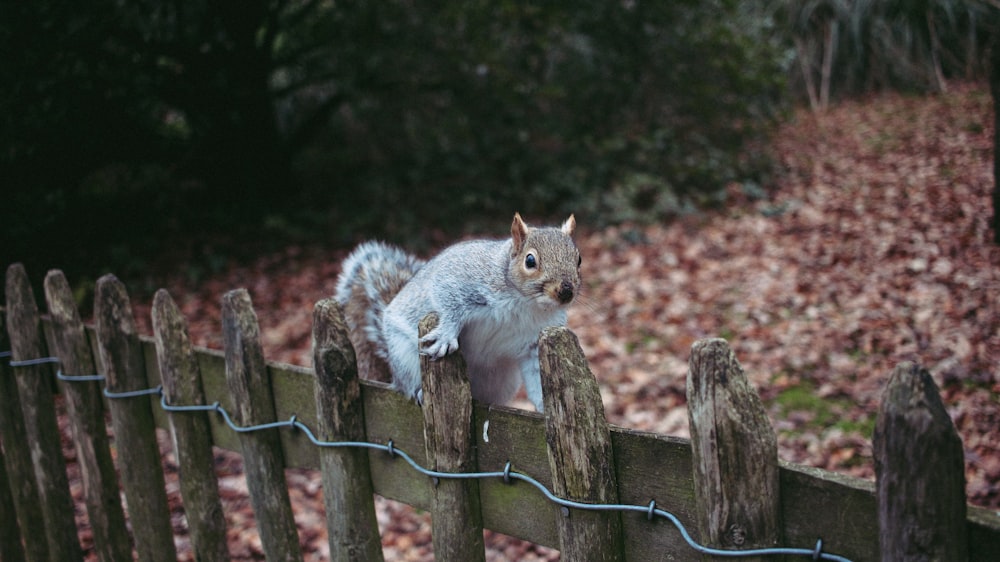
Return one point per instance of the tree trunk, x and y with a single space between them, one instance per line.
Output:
807 77
942 85
831 30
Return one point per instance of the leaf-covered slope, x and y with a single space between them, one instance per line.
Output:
873 247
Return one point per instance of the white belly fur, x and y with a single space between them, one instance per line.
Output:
496 346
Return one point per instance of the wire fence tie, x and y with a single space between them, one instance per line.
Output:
133 393
30 362
818 553
188 408
77 378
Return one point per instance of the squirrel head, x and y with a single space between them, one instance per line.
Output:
545 262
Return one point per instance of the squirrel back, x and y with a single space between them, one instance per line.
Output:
492 297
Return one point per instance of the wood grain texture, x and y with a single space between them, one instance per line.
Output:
39 416
581 457
191 431
920 472
348 494
16 501
123 363
85 410
250 386
457 532
816 503
735 453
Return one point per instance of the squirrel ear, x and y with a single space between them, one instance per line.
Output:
569 225
519 232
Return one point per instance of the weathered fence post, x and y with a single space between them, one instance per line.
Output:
86 413
920 472
27 512
10 530
253 404
133 423
735 453
456 512
191 431
38 408
348 494
11 549
579 449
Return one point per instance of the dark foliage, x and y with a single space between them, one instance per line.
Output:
130 125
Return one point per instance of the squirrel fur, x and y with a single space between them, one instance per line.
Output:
492 298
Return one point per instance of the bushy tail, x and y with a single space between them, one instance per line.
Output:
370 278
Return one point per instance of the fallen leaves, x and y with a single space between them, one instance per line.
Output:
873 248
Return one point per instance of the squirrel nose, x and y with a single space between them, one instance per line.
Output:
565 292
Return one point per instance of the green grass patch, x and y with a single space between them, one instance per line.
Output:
824 412
864 426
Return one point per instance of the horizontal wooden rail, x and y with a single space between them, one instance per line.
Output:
815 503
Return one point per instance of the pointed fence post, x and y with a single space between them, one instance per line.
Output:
348 494
85 410
735 453
132 419
253 404
579 449
38 408
920 472
27 513
191 431
456 512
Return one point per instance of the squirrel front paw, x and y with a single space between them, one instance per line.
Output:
436 344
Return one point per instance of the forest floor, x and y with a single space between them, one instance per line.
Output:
871 247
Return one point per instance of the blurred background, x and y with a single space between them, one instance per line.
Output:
809 179
138 133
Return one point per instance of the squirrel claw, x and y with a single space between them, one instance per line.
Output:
435 347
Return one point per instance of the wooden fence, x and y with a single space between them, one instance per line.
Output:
726 484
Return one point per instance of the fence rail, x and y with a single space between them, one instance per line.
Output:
566 480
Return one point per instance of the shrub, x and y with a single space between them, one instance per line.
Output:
619 109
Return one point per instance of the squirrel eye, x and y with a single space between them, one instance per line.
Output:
530 262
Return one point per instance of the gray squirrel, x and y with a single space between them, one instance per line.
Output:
492 296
